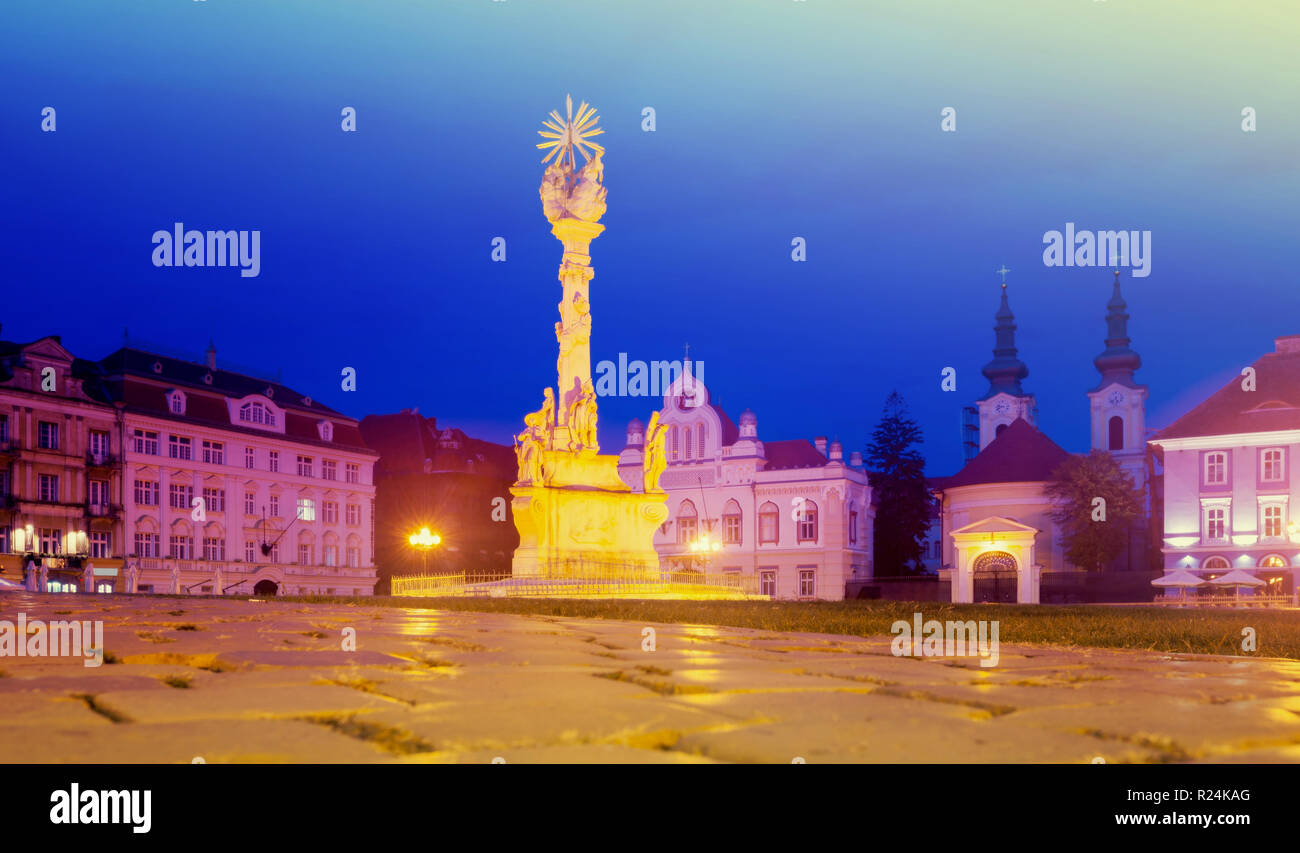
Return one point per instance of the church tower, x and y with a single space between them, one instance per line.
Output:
1118 403
1005 400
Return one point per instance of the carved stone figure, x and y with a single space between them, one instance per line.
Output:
656 456
538 435
580 195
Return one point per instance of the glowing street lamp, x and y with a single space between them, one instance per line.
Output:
426 541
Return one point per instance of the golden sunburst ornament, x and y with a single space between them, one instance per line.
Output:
571 133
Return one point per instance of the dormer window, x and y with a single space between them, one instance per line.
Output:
256 413
326 430
176 402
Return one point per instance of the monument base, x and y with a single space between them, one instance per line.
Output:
584 522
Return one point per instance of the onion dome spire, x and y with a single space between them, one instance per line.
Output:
1006 370
1118 361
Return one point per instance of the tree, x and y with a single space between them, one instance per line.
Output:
898 483
1095 504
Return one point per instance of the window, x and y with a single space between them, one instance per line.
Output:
99 493
214 500
1271 465
248 457
4 427
275 553
100 544
146 492
250 551
98 446
256 413
699 435
306 509
180 495
1215 522
146 544
47 435
807 583
176 402
807 524
273 461
853 527
305 467
1215 563
214 548
49 487
769 520
304 554
1216 469
145 442
214 453
180 447
1273 561
4 540
354 557
330 510
181 547
1272 521
938 545
352 472
353 515
686 529
326 430
275 506
1116 427
331 555
687 436
250 503
731 529
329 469
767 584
674 448
50 540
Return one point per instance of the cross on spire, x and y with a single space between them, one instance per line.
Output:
1004 272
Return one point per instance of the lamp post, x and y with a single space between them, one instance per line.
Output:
426 542
705 546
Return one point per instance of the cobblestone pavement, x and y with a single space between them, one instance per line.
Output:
241 681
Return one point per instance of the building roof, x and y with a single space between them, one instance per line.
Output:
1021 454
407 440
1273 406
794 453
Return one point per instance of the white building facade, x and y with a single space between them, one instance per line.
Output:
792 518
235 486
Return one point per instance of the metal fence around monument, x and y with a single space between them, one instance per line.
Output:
581 578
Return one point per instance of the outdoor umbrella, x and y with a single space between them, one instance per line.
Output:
1181 579
1237 577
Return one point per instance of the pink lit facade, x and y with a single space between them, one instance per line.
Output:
791 517
218 465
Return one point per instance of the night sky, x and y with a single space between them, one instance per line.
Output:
775 120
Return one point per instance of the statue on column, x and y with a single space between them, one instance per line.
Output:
582 419
539 429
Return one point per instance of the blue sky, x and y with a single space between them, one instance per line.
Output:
774 120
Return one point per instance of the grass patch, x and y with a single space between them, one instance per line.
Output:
1098 626
181 682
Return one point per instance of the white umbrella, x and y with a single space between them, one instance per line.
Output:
1182 577
1237 577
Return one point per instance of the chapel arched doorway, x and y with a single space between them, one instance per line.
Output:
995 578
265 587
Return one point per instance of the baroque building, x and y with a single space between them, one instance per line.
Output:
792 518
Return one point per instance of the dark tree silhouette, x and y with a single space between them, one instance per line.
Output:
898 483
1094 534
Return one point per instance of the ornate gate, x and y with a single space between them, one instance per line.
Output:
995 577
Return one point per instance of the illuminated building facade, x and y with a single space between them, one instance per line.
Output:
791 517
1229 496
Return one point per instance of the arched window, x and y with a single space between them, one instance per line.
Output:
853 524
687 523
688 442
1217 563
676 446
731 523
999 430
769 524
1116 433
1273 561
256 413
806 527
700 436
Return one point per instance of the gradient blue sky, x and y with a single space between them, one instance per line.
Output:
775 119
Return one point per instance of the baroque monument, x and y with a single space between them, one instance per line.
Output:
576 517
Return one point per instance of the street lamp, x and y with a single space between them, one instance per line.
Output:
426 542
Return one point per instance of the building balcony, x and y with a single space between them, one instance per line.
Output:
103 510
102 460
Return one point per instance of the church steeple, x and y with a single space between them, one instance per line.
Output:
1006 369
1118 361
